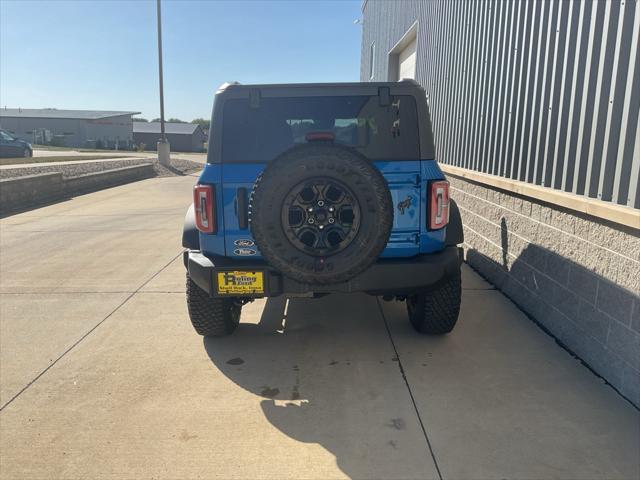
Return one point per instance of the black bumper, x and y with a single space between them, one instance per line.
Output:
387 276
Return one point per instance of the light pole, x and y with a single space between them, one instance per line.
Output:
163 144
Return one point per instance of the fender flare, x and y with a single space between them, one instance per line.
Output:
454 235
190 234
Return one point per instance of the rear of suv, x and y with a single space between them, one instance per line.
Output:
312 189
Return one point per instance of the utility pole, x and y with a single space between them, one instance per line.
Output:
163 144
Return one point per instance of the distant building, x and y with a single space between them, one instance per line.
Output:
183 137
70 128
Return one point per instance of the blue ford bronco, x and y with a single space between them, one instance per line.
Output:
312 189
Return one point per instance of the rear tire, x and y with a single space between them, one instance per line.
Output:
211 317
436 312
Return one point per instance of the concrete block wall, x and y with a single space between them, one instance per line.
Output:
577 275
30 189
91 182
34 190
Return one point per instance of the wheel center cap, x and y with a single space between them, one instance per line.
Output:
321 215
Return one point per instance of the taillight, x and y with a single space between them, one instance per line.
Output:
315 136
438 204
203 204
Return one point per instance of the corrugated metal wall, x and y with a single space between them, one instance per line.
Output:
547 92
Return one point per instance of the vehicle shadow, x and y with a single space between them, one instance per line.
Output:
329 377
560 296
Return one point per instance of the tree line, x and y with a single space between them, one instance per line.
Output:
203 122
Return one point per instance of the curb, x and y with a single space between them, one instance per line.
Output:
30 191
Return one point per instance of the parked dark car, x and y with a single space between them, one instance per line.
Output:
11 147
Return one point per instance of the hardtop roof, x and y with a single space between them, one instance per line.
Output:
401 85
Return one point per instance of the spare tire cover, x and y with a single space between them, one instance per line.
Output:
321 213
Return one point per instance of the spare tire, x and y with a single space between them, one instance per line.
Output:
321 214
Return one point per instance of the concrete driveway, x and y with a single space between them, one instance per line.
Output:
101 375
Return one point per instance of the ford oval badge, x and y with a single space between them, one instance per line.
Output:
243 242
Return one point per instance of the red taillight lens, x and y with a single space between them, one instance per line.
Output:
203 204
315 136
438 204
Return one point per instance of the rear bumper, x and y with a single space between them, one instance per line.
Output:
388 276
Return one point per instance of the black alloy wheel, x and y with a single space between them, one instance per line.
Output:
320 216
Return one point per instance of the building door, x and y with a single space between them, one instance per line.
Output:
407 61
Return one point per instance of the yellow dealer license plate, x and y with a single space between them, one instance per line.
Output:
240 282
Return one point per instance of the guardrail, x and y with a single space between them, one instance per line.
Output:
32 190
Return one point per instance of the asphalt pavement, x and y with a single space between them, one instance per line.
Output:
102 376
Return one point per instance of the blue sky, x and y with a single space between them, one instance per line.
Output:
102 54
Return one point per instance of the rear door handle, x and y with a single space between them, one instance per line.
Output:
243 212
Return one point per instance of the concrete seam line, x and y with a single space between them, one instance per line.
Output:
77 342
406 382
620 214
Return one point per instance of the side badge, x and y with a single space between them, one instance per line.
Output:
245 252
403 205
243 243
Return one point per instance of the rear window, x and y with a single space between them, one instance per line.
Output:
380 133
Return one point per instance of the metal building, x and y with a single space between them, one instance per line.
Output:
535 108
183 137
70 128
547 92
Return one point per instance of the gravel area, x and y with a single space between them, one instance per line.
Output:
178 167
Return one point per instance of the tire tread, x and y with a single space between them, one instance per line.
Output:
278 170
211 317
436 312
